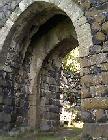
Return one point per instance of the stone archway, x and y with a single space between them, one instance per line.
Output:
43 47
49 85
70 8
17 32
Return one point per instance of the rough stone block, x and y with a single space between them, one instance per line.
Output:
2 82
95 49
95 70
4 117
85 71
105 77
99 18
84 62
87 80
95 103
85 93
105 27
1 99
100 36
97 79
96 130
91 12
86 4
96 27
93 59
92 91
102 6
44 125
104 67
54 109
7 101
101 90
101 116
105 47
87 117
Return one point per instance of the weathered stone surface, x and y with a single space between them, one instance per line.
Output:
99 18
98 58
96 103
87 80
1 99
105 47
97 79
2 82
84 62
85 93
70 85
95 49
101 116
91 12
90 23
101 90
105 27
96 130
86 4
95 70
102 6
100 36
104 67
105 77
50 105
87 117
96 27
4 117
44 126
84 71
92 90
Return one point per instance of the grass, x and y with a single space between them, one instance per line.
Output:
74 136
33 136
55 138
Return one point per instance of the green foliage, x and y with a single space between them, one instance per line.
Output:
71 61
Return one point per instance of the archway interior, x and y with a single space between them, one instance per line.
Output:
47 37
46 32
49 89
49 81
70 86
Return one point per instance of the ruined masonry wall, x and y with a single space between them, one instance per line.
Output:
50 94
6 8
93 44
70 84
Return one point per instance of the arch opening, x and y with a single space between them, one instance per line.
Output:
45 44
30 32
51 105
39 28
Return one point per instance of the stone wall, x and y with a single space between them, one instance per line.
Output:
70 87
50 94
6 8
15 94
90 24
94 76
23 65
